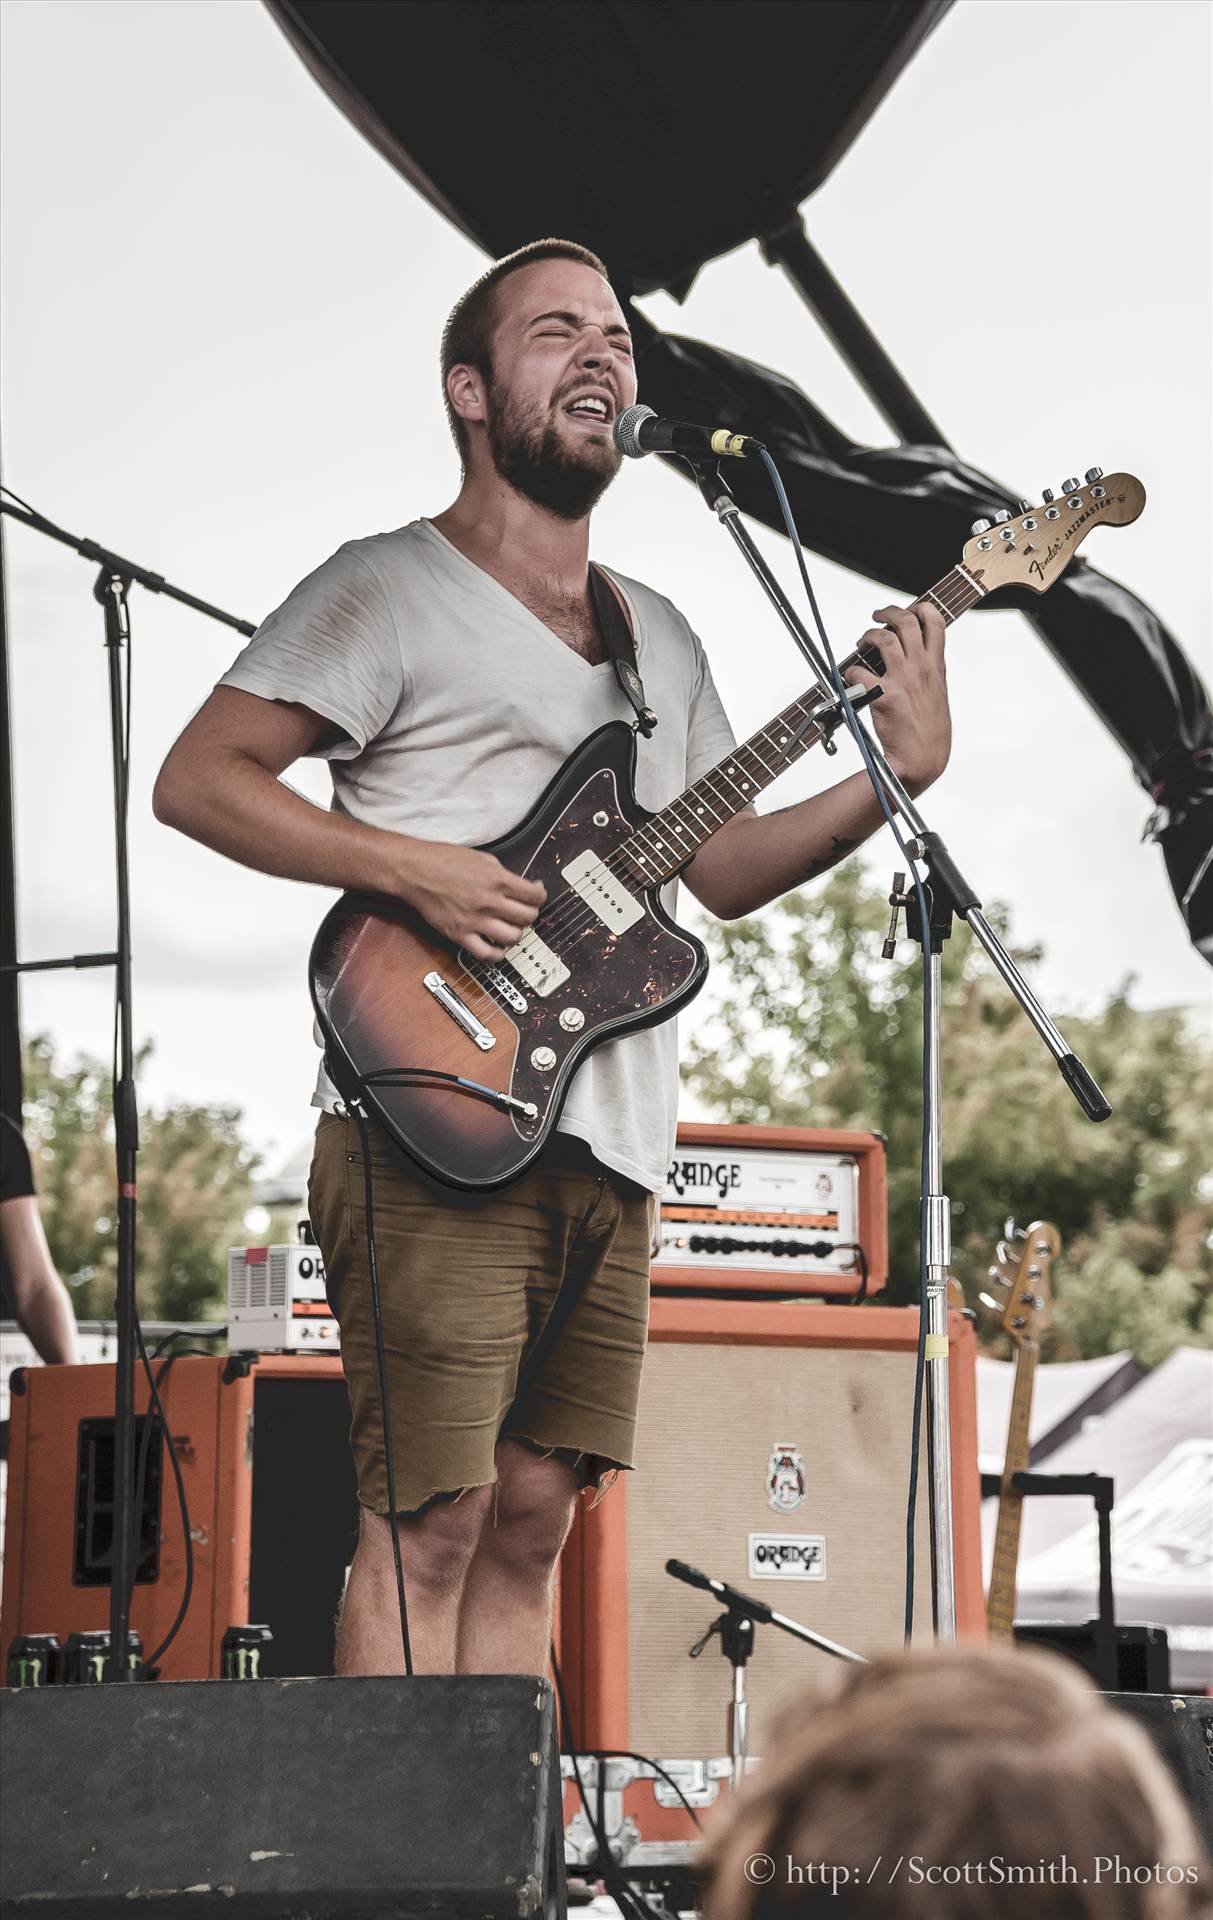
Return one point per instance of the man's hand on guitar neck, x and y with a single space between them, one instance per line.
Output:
911 717
758 857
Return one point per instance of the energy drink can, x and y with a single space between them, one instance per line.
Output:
86 1657
243 1648
34 1659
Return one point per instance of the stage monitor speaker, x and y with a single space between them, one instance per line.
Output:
1142 1656
330 1798
1181 1727
773 1452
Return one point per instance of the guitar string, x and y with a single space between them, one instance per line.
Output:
790 716
577 919
569 915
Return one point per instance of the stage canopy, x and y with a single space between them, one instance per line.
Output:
630 126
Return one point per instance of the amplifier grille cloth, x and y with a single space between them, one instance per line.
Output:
710 1415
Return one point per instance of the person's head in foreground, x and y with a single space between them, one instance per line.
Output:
966 1784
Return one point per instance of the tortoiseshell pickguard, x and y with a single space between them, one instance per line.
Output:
368 969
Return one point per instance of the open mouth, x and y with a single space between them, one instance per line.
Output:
589 412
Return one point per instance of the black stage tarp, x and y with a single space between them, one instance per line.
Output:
663 133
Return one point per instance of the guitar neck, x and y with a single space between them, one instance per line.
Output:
1000 1604
661 848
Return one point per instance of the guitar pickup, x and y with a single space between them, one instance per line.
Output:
463 1016
603 891
536 965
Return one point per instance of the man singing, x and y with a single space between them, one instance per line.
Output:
446 670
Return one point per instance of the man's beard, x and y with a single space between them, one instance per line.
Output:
531 456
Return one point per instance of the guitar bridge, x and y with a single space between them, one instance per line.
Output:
463 1016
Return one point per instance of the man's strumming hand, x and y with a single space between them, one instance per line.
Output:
468 896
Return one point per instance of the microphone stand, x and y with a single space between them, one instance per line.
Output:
742 1613
111 589
948 893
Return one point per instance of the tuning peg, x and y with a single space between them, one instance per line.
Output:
1000 517
1094 473
996 1278
1047 495
1068 486
1012 1230
988 1300
980 526
1006 1256
1025 506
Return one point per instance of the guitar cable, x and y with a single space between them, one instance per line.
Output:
385 1417
860 739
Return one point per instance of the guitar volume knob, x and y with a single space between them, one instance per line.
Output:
572 1019
543 1059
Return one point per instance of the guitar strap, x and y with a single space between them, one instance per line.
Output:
616 627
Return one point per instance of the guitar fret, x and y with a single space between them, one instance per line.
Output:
659 850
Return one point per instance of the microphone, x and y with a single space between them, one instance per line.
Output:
638 431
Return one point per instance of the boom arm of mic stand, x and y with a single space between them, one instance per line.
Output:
965 901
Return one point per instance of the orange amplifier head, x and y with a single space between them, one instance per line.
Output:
776 1210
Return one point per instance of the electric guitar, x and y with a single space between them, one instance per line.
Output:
1025 1271
466 1063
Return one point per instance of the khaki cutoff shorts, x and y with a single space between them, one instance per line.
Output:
466 1282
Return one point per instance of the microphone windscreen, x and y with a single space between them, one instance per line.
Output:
626 430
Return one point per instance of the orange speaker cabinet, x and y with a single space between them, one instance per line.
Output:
760 1421
270 1488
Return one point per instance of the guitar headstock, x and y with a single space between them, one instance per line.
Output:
1024 1265
1033 545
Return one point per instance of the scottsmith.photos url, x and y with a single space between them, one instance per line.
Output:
913 1870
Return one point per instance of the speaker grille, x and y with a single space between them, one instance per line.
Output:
711 1415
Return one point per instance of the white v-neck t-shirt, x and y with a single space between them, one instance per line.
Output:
456 706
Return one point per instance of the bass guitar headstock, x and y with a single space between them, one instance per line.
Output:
1031 546
1023 1267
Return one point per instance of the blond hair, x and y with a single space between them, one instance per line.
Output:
949 1757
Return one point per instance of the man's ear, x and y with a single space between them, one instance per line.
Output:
465 387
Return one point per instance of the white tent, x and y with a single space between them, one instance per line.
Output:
1060 1393
1156 1443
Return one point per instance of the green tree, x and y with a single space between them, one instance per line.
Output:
195 1185
810 1026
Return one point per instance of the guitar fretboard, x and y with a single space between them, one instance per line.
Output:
661 848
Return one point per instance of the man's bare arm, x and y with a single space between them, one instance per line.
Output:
220 784
755 858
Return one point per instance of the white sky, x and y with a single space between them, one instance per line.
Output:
221 313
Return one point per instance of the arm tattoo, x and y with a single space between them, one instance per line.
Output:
838 849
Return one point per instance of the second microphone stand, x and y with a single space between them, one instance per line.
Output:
948 894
